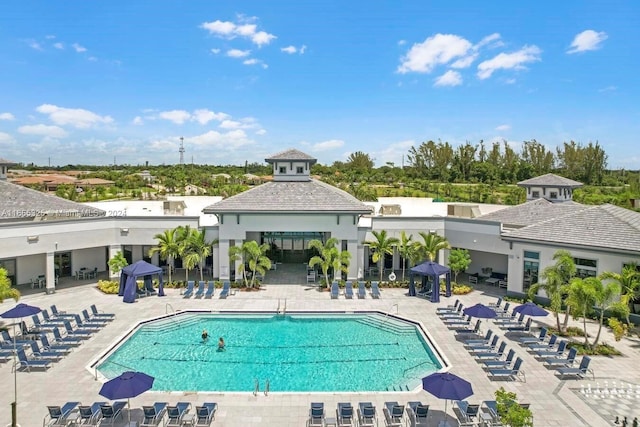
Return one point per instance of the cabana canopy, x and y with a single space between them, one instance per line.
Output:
129 275
433 270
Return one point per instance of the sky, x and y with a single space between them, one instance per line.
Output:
127 82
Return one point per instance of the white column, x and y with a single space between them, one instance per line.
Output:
215 255
223 260
355 265
237 263
113 251
51 272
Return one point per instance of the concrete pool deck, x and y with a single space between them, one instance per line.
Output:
553 402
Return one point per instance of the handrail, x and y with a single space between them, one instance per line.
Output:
266 387
278 309
415 366
95 369
284 310
167 307
256 389
386 315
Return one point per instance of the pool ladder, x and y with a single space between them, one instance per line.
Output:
284 307
256 389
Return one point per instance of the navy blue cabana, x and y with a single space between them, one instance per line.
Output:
433 270
129 275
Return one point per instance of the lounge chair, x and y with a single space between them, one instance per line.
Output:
479 341
552 362
101 315
375 290
348 290
455 313
449 307
491 355
496 304
579 372
28 363
205 414
176 413
200 292
67 340
466 331
60 348
38 354
109 413
367 415
153 415
362 290
491 347
507 318
49 320
226 288
468 410
558 352
93 327
542 346
188 293
526 327
80 333
316 415
500 364
93 320
508 374
335 290
344 415
393 414
211 289
149 289
457 322
42 326
60 314
90 415
534 340
491 407
59 416
418 414
514 320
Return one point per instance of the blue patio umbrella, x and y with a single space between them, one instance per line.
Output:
445 385
480 311
530 309
125 386
17 312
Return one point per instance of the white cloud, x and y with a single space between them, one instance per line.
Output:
5 138
43 130
465 61
603 90
252 61
261 132
176 116
328 145
204 116
230 30
435 50
215 51
7 116
78 48
58 45
393 152
587 40
402 42
491 39
237 53
450 78
35 45
137 120
503 128
50 37
506 61
245 123
291 49
76 117
226 141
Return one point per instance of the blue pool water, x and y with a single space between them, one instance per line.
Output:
298 352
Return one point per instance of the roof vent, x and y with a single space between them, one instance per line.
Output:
390 210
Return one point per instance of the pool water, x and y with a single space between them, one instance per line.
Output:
298 352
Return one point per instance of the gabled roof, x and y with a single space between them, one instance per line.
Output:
284 196
6 162
550 180
532 212
606 226
18 202
291 154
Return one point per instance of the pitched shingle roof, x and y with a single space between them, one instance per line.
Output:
17 202
306 196
6 162
291 154
550 180
532 212
606 226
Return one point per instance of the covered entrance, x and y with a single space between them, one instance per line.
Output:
291 247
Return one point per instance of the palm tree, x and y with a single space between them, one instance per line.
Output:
432 244
327 253
581 299
167 247
380 246
607 297
252 255
201 248
407 249
341 263
185 250
117 262
555 283
629 281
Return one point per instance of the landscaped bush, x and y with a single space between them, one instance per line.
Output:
456 289
600 350
108 286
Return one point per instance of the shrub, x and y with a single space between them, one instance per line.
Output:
510 412
600 350
108 286
456 289
619 329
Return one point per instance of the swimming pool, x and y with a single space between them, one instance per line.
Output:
296 352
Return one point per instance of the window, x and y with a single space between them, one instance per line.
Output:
145 253
553 195
586 267
531 267
535 194
283 169
532 255
299 169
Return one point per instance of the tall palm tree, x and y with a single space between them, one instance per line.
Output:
407 249
432 243
341 263
380 246
185 250
327 253
201 247
168 248
556 279
607 297
253 256
581 298
629 281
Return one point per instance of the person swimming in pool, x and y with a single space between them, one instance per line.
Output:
221 344
205 335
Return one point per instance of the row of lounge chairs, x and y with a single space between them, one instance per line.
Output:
210 289
103 413
468 414
349 291
365 415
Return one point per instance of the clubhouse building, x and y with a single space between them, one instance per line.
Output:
45 239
